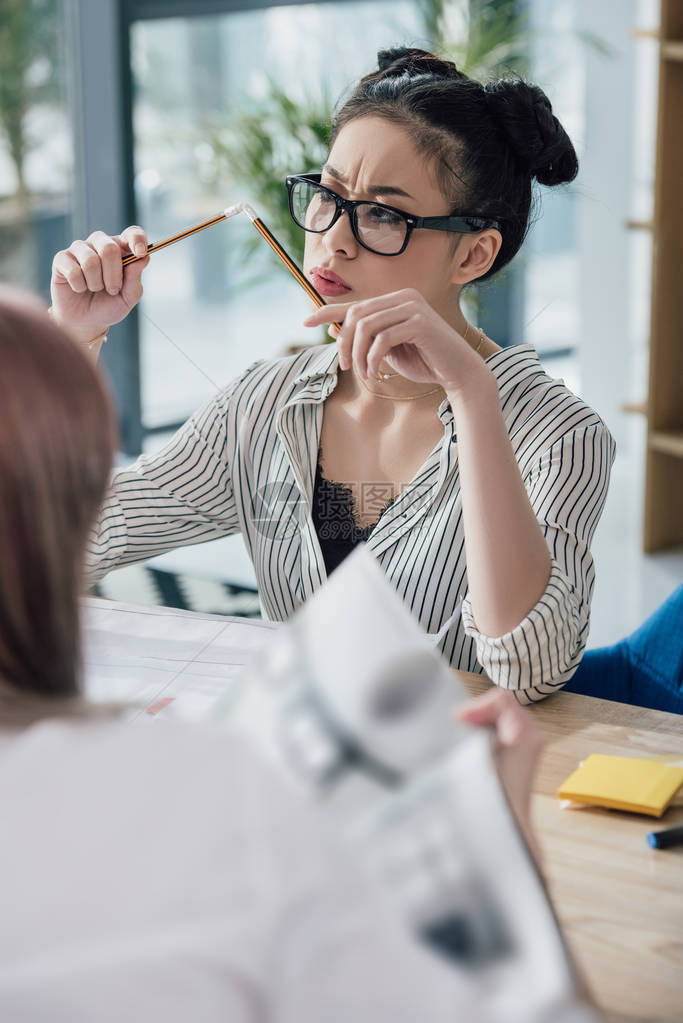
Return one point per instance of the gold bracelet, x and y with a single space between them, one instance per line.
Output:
90 344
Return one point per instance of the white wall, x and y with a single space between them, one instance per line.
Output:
604 205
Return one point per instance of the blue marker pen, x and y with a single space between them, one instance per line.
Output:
665 839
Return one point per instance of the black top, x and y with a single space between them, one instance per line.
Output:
334 519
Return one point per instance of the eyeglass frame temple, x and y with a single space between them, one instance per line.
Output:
429 223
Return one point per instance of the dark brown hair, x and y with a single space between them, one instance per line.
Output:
57 443
485 142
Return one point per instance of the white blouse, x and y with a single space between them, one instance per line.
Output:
160 874
246 462
166 874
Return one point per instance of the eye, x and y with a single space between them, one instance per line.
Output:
380 215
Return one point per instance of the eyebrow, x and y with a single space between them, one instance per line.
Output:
374 189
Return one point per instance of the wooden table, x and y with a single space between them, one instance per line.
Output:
619 901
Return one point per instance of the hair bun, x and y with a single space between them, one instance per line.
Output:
535 135
400 59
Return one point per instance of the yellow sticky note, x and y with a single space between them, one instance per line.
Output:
668 758
623 783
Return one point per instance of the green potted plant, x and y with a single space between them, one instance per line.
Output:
258 148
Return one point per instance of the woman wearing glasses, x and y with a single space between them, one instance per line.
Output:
475 478
169 873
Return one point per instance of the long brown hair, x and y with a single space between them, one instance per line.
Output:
57 443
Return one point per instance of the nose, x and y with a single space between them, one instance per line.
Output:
339 237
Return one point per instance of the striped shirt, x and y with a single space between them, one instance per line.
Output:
246 462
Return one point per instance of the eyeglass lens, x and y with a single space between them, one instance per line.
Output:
380 229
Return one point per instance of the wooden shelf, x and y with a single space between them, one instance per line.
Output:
639 407
663 512
669 442
672 51
639 225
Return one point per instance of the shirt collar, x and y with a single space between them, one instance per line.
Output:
322 362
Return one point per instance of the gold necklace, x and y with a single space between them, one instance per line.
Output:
384 376
481 339
399 397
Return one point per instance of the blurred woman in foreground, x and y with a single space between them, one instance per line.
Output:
163 873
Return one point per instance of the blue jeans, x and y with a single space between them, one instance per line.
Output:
645 669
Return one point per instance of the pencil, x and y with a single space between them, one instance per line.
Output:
230 211
285 257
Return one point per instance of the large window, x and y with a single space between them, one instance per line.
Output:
36 145
202 321
550 255
155 84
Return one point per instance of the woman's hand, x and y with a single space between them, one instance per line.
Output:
519 745
90 287
402 328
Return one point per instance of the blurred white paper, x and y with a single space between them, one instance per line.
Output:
355 656
166 662
354 704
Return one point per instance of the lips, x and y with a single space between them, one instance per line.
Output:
327 282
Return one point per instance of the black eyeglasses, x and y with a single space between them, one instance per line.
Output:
382 229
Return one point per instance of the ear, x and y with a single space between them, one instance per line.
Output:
475 255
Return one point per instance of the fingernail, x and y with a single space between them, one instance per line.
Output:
140 249
113 291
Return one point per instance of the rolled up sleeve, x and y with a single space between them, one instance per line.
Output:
567 487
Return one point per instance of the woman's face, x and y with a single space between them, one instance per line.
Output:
370 152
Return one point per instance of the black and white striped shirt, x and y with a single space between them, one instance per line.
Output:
246 462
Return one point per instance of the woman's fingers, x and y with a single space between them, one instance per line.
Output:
135 239
359 330
110 258
333 312
90 263
387 338
67 270
497 707
131 290
97 264
132 241
389 319
484 709
90 287
366 331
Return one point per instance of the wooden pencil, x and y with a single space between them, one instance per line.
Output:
285 257
230 211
